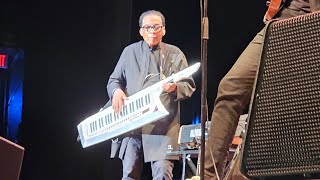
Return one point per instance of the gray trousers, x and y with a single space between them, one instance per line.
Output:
132 163
234 93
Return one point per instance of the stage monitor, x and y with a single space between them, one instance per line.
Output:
283 134
11 156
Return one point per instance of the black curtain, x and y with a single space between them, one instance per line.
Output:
71 48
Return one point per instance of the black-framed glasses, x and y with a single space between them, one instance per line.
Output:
155 27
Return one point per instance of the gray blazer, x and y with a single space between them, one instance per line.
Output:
129 75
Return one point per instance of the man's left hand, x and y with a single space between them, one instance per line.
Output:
169 87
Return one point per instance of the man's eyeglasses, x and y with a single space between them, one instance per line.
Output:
156 27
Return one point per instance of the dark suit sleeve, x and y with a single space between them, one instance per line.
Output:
186 86
117 79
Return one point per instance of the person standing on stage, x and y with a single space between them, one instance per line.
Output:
234 91
140 65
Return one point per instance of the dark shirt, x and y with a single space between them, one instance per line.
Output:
154 61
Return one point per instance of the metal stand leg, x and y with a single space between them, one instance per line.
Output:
183 166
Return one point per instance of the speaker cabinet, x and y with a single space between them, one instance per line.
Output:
283 132
11 156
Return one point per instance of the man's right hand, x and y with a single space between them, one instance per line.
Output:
118 100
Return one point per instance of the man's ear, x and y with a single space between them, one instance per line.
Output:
163 31
141 32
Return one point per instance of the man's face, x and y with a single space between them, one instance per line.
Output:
152 30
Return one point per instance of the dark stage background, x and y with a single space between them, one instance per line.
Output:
71 48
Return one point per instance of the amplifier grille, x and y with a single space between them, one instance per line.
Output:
283 136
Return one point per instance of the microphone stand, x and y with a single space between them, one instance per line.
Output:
204 105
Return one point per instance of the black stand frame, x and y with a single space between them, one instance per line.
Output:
204 105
